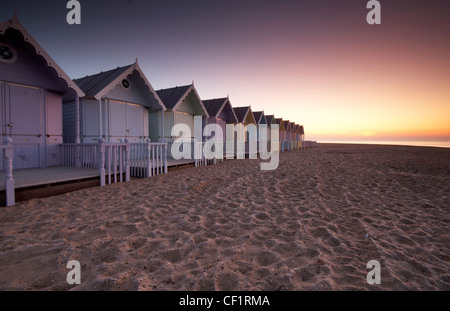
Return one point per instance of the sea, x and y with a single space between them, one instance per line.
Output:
424 143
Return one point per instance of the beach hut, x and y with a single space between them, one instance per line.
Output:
287 134
302 136
296 137
32 89
292 136
270 121
116 107
245 117
282 133
183 103
220 112
260 119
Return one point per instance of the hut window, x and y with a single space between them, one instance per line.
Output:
8 54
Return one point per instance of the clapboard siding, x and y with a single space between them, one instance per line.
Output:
29 68
187 119
154 119
69 122
191 105
137 93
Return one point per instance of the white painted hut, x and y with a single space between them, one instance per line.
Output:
183 104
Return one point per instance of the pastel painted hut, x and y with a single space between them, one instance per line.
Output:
245 117
302 136
220 112
116 107
183 104
260 119
282 133
287 135
32 89
292 136
296 136
270 121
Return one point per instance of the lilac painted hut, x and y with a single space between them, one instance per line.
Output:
32 89
220 112
245 117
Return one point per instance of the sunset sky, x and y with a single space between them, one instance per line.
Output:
316 62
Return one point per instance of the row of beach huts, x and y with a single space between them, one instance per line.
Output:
113 124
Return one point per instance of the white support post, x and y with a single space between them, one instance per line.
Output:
101 161
165 155
100 122
196 160
77 130
148 156
127 160
8 154
162 125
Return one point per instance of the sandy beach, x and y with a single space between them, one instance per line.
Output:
312 224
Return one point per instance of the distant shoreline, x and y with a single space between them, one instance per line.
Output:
390 143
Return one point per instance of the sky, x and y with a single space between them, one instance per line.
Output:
314 62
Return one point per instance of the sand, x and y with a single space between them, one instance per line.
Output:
312 224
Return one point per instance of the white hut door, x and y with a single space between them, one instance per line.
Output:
54 133
25 124
134 123
127 121
117 121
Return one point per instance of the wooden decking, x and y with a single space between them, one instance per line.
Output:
44 176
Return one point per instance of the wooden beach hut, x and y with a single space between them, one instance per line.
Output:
183 103
287 134
282 133
292 136
245 117
116 107
220 112
260 119
302 136
270 120
32 89
297 136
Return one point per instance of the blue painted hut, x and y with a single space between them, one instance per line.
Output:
116 106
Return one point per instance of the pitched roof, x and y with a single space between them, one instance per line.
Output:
241 113
217 105
258 116
172 96
280 123
302 130
270 119
292 124
214 106
286 125
14 23
94 84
